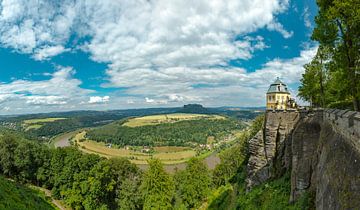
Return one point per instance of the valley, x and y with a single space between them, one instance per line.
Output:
172 156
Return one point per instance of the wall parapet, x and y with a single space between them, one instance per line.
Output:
346 123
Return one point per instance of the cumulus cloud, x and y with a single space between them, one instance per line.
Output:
276 26
159 51
98 99
48 51
155 101
45 100
59 90
138 33
211 85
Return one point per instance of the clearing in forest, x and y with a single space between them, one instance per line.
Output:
167 118
168 154
38 123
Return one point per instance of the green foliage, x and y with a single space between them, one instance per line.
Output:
256 125
157 187
17 197
333 76
231 161
273 195
167 134
193 184
221 198
84 181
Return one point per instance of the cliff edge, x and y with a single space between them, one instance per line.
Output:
321 150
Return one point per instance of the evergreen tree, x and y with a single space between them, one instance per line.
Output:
193 184
157 187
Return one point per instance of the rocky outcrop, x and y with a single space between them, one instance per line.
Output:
320 148
270 154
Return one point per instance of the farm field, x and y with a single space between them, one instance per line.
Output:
38 123
168 154
167 118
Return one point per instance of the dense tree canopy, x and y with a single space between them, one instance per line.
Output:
157 187
181 133
332 78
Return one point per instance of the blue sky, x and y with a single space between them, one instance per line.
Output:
72 55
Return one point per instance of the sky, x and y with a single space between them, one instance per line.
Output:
120 54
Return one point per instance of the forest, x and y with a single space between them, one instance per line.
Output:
182 133
332 78
87 181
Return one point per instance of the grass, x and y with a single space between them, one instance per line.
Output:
38 123
166 118
170 149
42 120
14 196
168 155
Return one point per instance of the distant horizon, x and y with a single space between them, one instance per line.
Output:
120 109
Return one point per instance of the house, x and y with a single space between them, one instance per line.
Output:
278 96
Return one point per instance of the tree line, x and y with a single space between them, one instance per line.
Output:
332 78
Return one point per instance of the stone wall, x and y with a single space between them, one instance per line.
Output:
321 148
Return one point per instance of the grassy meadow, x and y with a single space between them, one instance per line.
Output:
38 123
167 154
167 118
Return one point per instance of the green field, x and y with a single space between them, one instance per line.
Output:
168 155
167 118
38 123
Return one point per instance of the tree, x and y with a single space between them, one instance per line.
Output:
157 187
100 186
314 79
193 184
8 145
128 179
338 28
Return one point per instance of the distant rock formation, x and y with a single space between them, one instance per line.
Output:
195 109
320 148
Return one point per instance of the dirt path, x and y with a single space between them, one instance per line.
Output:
57 203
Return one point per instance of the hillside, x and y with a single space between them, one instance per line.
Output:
16 197
166 130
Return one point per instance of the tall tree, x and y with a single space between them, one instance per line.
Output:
8 145
157 187
338 27
193 184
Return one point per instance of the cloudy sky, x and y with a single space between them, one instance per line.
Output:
117 54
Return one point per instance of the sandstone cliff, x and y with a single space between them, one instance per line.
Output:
320 148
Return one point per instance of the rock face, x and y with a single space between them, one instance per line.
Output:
270 154
320 148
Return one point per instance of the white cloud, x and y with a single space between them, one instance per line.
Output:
61 91
45 100
276 26
46 52
98 99
211 85
306 15
155 101
160 51
137 34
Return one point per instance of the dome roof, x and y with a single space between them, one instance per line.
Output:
278 87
